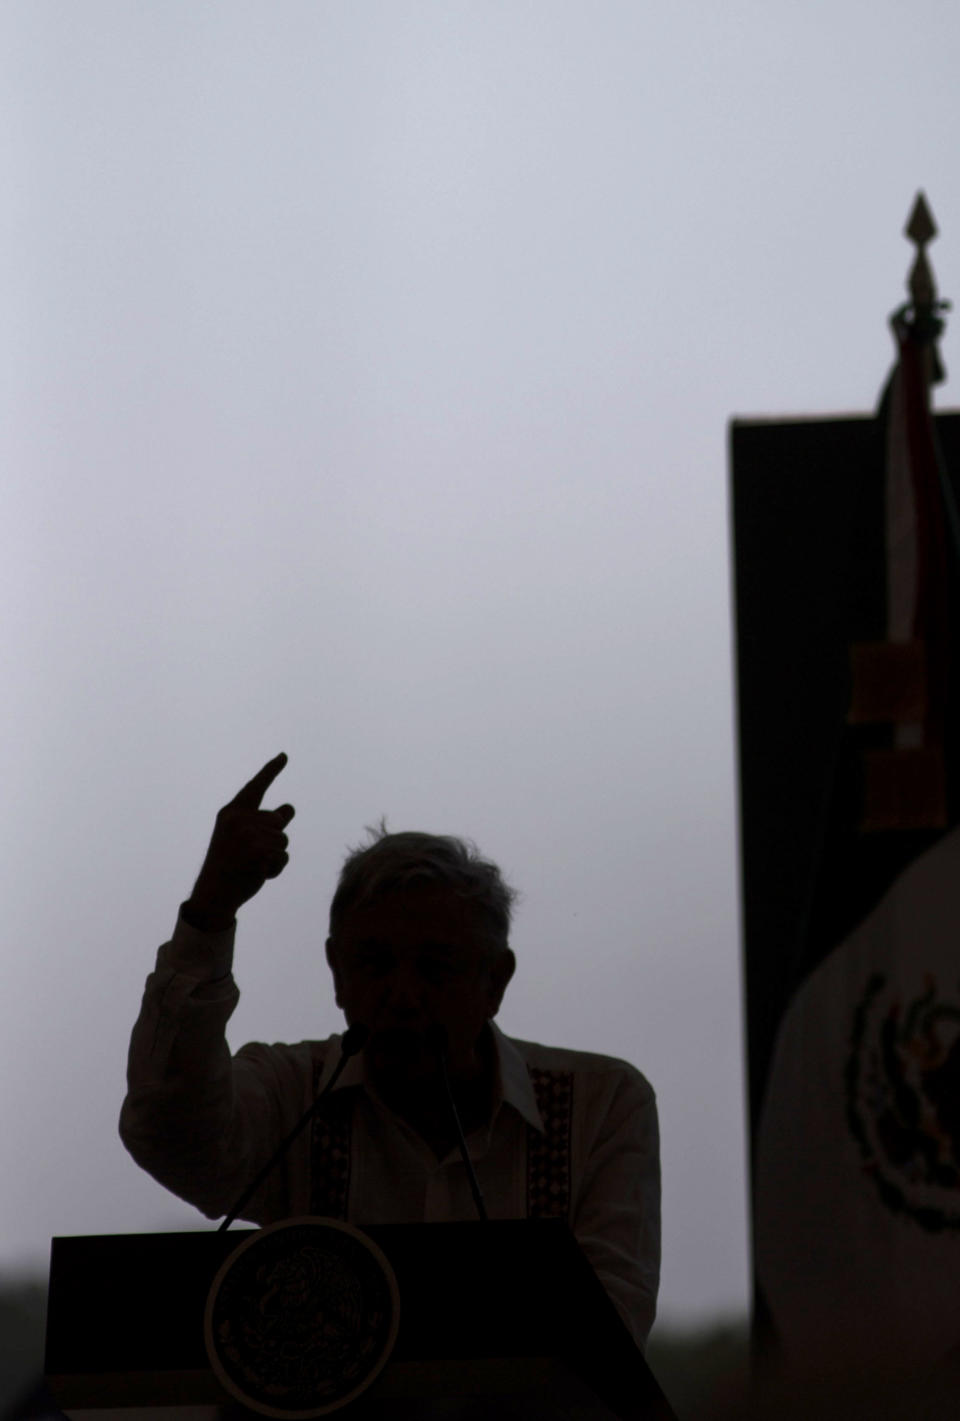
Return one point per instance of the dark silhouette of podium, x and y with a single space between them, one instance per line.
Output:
500 1320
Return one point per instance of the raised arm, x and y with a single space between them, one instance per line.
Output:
195 1118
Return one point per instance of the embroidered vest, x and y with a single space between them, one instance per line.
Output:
548 1155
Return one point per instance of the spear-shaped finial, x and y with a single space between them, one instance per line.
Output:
923 314
921 229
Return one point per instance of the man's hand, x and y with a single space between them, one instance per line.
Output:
247 847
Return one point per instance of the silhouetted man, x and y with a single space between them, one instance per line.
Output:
418 939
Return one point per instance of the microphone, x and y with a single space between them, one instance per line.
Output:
351 1044
436 1039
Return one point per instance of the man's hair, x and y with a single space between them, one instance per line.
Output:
392 862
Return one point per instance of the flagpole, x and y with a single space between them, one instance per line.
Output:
849 957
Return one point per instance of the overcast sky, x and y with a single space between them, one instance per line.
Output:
365 376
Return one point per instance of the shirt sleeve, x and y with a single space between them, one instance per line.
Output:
617 1208
201 1121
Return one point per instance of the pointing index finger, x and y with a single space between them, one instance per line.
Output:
253 791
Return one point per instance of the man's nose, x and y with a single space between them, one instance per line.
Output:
405 994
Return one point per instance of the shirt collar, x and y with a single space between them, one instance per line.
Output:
514 1085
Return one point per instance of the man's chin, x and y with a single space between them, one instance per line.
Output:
400 1055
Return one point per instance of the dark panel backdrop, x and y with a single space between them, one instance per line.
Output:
807 499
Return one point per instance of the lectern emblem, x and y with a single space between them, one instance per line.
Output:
301 1317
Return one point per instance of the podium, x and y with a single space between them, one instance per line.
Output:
502 1320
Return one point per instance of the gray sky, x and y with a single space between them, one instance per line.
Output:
363 394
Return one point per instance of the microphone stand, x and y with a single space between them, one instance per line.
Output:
354 1040
438 1038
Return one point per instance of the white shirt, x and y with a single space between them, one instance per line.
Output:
203 1123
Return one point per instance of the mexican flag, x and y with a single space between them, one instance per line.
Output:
848 641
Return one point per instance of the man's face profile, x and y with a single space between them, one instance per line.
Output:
415 959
